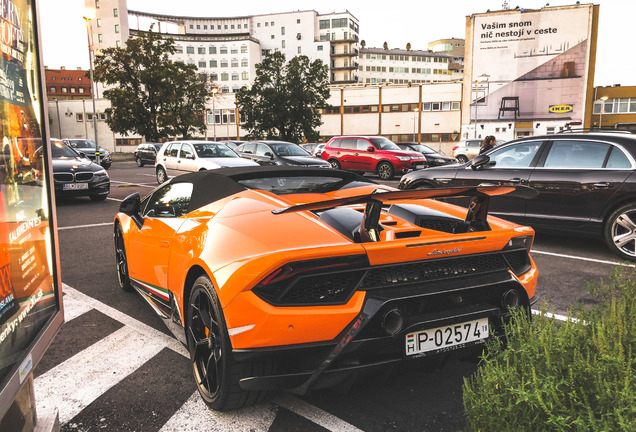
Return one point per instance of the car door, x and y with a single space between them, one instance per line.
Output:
247 150
263 155
509 165
364 159
149 246
576 179
345 153
169 159
186 162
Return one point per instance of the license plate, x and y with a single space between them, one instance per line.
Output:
74 186
446 337
420 166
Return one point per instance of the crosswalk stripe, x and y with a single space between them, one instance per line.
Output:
75 383
195 416
74 307
314 414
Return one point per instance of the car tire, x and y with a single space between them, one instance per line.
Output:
99 197
121 260
334 164
216 373
620 232
462 159
422 186
161 175
140 163
385 170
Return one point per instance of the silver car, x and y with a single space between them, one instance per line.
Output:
180 157
468 149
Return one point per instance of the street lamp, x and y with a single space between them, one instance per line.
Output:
214 90
415 110
227 122
89 14
600 119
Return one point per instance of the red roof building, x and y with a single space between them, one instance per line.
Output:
67 83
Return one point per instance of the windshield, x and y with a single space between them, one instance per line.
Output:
384 144
158 146
82 144
61 150
288 149
423 149
213 150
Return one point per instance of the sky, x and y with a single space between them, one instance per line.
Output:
64 42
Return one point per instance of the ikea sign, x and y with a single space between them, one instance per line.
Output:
560 109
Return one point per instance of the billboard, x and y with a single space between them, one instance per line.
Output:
30 298
530 65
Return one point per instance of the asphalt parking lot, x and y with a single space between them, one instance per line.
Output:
404 400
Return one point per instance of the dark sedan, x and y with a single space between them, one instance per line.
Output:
433 158
88 148
279 153
75 175
146 153
586 184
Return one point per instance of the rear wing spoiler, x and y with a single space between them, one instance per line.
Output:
476 218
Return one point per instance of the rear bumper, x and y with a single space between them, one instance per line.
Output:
365 344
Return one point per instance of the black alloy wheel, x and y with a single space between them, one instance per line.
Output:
140 163
462 159
620 232
385 170
216 373
122 262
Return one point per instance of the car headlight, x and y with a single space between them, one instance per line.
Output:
405 158
101 172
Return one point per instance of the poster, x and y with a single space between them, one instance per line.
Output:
531 65
27 294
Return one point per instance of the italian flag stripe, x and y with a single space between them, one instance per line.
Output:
161 292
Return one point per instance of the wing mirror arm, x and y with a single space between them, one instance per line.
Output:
476 217
131 206
369 230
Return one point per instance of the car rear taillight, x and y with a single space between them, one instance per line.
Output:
455 148
313 282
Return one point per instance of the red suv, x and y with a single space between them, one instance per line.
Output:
374 154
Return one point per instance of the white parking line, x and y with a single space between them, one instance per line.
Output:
125 184
534 251
114 199
84 226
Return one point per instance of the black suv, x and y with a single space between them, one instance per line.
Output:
586 184
146 153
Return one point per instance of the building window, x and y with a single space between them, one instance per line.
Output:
190 50
212 50
258 24
115 12
338 22
202 64
118 44
244 49
73 90
244 63
100 38
213 63
282 30
299 50
319 47
244 76
272 23
298 21
272 37
223 63
214 76
324 24
234 50
235 63
116 28
235 77
223 50
81 89
191 27
201 50
282 44
79 117
102 116
52 90
99 22
225 76
205 26
64 90
198 27
232 26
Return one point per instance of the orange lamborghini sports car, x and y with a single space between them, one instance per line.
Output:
298 278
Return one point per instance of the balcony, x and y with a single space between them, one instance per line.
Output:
343 54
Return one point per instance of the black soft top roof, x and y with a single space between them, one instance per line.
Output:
210 186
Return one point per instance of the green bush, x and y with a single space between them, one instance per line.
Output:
578 375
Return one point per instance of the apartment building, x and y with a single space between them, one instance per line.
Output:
402 66
67 83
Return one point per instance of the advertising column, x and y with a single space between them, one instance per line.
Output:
30 298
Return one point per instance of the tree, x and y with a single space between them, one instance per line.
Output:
286 98
150 95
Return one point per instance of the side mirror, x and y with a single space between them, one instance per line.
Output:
189 156
131 206
82 154
269 155
371 149
479 162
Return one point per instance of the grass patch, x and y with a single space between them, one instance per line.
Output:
549 375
